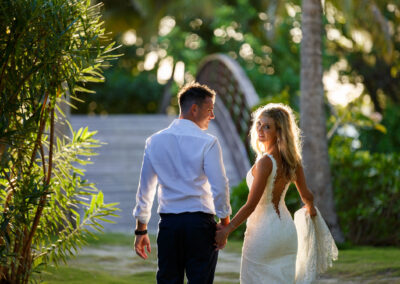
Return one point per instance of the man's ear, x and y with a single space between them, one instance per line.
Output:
194 109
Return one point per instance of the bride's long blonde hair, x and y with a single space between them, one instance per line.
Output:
288 136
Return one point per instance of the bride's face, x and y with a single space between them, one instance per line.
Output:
266 130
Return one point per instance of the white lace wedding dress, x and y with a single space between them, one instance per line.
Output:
270 243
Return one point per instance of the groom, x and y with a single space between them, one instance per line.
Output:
187 165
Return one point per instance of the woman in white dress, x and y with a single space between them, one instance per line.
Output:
270 241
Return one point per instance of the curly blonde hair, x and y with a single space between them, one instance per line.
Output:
288 136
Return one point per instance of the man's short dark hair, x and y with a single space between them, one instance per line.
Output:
194 93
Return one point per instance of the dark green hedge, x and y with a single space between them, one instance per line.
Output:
367 195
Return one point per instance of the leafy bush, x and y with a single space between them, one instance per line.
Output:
48 49
367 194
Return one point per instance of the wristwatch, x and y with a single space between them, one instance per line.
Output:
140 233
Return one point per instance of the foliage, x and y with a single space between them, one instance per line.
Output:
369 43
387 141
49 49
271 62
367 190
121 93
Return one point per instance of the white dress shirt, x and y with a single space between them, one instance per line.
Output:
187 164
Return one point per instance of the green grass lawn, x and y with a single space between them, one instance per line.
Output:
110 259
367 263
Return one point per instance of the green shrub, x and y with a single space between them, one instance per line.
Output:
367 194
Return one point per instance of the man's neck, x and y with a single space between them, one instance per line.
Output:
187 117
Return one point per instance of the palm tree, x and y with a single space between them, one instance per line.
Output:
312 116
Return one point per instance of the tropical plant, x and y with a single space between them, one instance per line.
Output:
48 49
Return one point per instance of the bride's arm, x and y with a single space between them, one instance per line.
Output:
262 170
305 194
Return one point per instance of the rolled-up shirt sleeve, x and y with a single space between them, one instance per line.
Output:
146 190
215 172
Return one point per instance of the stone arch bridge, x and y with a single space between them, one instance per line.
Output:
116 169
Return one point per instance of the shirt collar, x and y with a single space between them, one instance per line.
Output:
186 123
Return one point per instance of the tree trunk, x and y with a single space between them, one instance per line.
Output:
312 116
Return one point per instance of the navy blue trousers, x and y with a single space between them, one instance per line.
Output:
186 243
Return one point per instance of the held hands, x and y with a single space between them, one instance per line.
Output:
142 242
221 236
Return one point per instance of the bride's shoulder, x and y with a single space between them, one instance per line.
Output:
264 164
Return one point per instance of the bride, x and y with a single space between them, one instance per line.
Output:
270 241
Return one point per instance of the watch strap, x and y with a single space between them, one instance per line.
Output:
140 233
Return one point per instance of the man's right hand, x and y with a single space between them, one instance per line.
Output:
142 242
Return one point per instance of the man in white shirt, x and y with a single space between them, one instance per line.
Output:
187 165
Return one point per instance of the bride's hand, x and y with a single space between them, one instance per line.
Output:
221 236
311 210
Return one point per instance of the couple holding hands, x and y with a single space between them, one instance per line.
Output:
187 165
